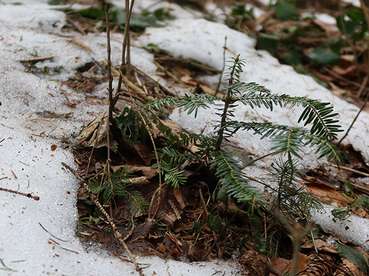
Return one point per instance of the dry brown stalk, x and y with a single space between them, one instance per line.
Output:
126 43
29 195
117 234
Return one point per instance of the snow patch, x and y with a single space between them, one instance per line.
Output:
37 16
198 39
38 237
353 229
352 2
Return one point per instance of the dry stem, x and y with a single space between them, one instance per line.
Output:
126 43
110 89
119 236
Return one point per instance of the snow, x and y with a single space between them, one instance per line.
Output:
353 2
38 237
203 41
326 18
220 14
197 39
322 17
353 229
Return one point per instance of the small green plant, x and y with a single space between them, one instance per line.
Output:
240 17
118 186
352 24
290 196
320 128
286 10
138 22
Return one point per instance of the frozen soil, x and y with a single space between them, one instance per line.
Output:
38 237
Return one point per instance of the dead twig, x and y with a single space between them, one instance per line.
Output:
354 120
350 170
109 219
153 210
110 90
126 43
5 267
130 232
62 247
36 59
29 195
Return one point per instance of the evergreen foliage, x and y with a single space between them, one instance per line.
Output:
290 197
118 186
231 177
319 129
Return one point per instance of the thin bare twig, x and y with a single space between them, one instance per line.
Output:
354 120
110 75
152 213
110 90
129 15
262 157
29 195
227 103
350 170
119 236
126 43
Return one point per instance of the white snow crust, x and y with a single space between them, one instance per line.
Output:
38 237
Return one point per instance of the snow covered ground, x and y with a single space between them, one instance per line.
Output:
38 237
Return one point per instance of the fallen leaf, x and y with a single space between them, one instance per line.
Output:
280 265
94 134
179 197
321 246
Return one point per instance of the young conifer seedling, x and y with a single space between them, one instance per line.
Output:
320 128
